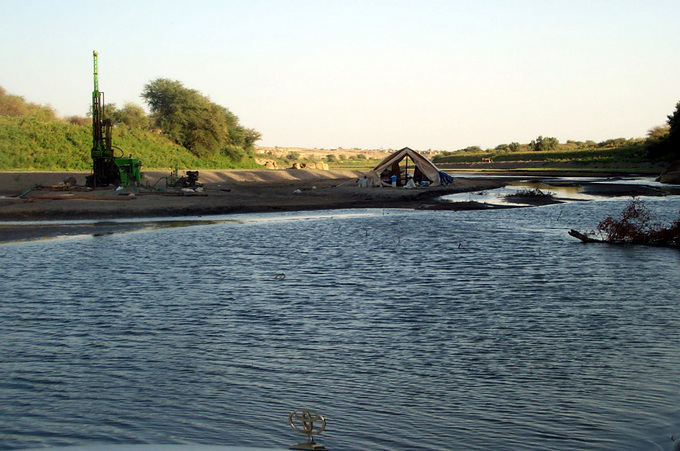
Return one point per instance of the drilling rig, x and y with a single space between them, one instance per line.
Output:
108 169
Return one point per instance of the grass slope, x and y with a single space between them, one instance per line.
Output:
27 143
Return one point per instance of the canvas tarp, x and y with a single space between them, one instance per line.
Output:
381 173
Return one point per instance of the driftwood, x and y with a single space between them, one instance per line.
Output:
586 239
583 237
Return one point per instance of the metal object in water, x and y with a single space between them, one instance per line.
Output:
303 422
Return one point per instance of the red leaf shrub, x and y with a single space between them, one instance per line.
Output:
635 226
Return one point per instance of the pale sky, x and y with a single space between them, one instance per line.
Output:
427 74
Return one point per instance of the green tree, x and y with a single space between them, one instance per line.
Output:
472 149
541 144
187 117
190 119
131 115
659 132
514 146
674 129
251 137
666 147
12 105
78 120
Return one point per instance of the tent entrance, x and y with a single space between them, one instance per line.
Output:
404 163
404 169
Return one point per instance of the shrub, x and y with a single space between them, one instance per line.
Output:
635 226
532 193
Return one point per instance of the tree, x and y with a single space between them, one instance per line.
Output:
11 105
666 147
131 115
78 120
251 137
193 121
472 149
674 129
659 132
542 144
186 116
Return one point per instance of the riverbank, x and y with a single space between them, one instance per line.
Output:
38 196
32 198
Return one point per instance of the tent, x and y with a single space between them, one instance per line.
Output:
423 170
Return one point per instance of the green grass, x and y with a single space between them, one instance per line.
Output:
355 165
36 143
27 143
629 152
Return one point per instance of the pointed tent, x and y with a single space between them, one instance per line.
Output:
380 175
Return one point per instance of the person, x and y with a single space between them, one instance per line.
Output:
410 184
417 176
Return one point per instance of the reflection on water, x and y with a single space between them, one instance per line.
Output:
500 196
407 329
563 189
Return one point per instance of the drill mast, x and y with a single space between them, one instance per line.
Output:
106 169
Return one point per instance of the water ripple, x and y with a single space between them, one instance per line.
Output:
408 330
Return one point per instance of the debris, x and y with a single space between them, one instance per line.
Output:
634 225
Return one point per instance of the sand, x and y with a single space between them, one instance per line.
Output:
36 205
41 196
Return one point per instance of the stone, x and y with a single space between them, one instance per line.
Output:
671 175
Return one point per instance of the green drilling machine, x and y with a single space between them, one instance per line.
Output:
107 168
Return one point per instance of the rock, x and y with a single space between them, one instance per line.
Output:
269 164
671 175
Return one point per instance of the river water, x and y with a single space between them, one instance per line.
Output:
406 329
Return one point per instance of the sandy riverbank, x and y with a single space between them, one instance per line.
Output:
224 192
32 196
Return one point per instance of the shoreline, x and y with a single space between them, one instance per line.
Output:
224 193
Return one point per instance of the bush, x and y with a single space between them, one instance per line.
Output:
635 226
78 120
532 194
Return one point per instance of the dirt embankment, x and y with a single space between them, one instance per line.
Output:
40 196
223 192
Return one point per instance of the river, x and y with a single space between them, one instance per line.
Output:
406 329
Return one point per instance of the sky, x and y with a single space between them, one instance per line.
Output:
368 74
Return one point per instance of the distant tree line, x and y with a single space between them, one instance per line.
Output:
662 144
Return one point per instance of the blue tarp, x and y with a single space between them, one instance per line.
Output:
444 178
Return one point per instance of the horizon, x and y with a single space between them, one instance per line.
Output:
433 75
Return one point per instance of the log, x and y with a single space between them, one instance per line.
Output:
583 237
